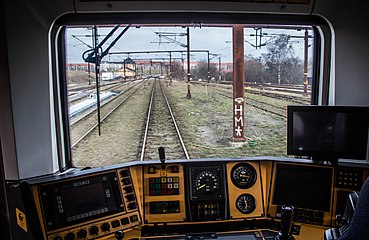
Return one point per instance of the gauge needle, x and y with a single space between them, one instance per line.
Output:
201 186
246 203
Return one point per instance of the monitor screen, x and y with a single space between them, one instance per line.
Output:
328 132
78 200
307 187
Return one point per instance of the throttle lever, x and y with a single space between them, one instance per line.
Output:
162 157
286 224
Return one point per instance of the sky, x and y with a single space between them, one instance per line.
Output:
215 39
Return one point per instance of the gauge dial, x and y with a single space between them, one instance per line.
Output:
206 182
243 175
246 203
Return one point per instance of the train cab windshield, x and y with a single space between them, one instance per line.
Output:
172 86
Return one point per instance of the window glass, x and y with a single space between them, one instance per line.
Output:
137 63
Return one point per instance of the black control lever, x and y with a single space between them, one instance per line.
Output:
286 224
162 157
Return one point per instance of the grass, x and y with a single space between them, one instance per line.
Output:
206 125
205 121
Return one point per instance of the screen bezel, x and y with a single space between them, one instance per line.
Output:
272 209
48 195
319 154
279 170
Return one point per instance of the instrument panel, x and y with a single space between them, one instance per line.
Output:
206 182
207 195
88 207
99 203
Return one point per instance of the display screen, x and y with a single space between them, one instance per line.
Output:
92 202
328 133
75 201
303 186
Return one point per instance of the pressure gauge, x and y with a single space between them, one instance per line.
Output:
246 203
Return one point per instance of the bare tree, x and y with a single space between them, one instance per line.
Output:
280 51
254 70
200 70
177 70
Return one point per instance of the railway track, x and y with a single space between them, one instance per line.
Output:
84 92
161 129
82 129
264 106
77 119
280 96
291 93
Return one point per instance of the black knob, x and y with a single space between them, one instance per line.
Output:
119 235
94 230
82 233
105 227
57 238
70 236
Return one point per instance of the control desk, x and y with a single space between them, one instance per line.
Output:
188 199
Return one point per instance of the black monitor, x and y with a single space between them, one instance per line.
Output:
328 133
305 187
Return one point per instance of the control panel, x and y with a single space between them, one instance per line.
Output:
181 197
159 186
245 190
88 207
207 194
164 194
347 180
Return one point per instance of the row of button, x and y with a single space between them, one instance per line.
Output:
94 230
163 186
164 207
164 180
349 178
164 192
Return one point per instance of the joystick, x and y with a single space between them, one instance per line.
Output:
286 224
162 157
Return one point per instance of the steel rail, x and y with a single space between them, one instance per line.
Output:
175 124
108 87
256 106
147 122
77 119
251 104
173 120
106 116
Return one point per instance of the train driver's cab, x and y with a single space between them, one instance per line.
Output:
191 120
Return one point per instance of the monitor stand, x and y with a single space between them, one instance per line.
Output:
325 160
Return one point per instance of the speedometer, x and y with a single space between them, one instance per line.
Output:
243 175
206 182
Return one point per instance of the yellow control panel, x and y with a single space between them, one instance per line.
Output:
225 197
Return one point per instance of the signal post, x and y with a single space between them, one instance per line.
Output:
238 137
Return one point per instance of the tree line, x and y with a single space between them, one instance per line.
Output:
278 65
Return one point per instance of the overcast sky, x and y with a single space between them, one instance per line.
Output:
216 40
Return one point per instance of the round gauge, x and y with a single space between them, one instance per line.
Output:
243 175
246 203
206 182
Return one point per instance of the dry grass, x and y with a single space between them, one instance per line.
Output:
205 122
